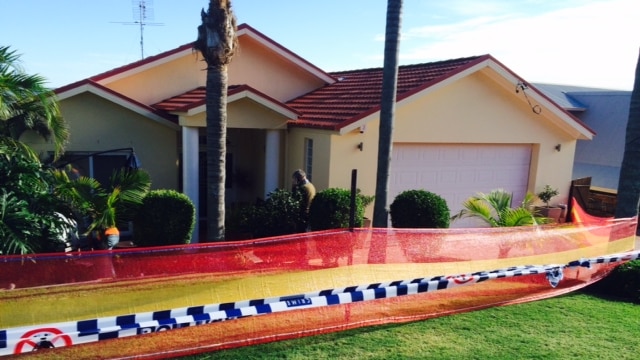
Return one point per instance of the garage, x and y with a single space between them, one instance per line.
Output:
457 171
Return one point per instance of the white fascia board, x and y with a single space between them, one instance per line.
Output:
251 96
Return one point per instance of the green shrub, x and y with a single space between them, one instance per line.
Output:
419 209
32 219
277 215
622 282
166 217
330 209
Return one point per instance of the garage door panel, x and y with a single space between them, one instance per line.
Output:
456 171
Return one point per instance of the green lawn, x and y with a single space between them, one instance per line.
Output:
574 326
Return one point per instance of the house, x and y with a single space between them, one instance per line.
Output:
461 125
606 112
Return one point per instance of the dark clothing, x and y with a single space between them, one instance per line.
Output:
307 192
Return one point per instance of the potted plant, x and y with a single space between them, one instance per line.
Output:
548 211
105 218
105 207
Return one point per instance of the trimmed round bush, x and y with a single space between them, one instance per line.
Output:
419 209
330 210
166 217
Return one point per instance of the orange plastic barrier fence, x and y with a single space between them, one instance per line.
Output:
254 291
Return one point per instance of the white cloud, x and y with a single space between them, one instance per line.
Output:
593 44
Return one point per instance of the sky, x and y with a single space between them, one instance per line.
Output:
591 43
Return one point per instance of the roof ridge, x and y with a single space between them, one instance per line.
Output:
407 66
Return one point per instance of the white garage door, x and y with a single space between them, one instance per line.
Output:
456 171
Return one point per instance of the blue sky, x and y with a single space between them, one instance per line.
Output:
574 42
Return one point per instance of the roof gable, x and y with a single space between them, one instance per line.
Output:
89 86
356 94
193 102
187 49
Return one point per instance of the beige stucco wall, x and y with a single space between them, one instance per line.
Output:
99 125
322 149
162 81
275 76
471 110
242 114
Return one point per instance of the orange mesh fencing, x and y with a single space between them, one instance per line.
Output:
254 291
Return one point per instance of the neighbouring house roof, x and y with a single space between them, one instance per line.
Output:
607 112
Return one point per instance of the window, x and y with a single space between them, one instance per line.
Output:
308 158
99 167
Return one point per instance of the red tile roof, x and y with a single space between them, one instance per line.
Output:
197 97
183 102
357 93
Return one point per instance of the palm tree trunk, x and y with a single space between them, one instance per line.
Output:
629 182
387 110
216 105
217 42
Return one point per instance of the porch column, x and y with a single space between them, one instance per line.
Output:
190 176
272 161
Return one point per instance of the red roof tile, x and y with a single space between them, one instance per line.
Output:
357 93
197 97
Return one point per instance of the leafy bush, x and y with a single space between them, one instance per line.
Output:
622 282
277 215
419 209
495 209
166 217
32 220
330 209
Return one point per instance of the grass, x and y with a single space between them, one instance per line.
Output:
578 325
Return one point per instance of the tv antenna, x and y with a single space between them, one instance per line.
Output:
142 13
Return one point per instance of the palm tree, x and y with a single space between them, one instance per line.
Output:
105 205
387 109
217 42
27 104
629 182
495 209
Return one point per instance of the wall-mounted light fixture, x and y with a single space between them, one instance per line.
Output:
558 147
361 146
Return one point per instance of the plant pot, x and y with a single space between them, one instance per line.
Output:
551 212
112 236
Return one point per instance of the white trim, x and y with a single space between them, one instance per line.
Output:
190 172
248 94
89 88
272 161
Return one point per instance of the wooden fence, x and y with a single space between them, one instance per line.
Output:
594 200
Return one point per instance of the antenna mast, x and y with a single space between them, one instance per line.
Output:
142 12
